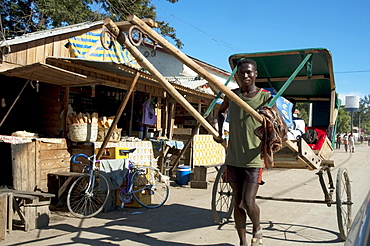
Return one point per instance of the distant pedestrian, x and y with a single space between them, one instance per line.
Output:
362 139
345 142
351 143
338 141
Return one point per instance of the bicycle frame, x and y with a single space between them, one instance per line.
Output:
92 169
129 189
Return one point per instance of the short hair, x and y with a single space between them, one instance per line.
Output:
246 60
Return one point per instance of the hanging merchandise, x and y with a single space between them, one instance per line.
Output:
149 117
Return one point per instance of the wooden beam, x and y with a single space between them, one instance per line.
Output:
157 75
65 109
283 79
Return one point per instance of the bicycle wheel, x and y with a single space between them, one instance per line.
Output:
222 198
344 202
150 188
86 200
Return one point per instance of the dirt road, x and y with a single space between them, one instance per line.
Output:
186 218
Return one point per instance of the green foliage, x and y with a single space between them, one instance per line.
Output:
362 117
24 16
303 111
344 121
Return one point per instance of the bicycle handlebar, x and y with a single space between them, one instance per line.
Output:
79 162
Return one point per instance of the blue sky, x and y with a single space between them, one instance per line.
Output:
212 30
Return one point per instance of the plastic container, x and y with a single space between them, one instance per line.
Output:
183 175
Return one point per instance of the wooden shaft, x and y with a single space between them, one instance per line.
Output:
193 65
201 71
118 115
158 76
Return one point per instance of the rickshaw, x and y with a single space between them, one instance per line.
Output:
304 75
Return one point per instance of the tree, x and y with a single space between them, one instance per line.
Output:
362 117
343 124
303 109
24 16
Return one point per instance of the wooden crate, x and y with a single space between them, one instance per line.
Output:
59 184
31 163
182 131
80 148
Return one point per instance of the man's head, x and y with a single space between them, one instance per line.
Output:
247 72
247 60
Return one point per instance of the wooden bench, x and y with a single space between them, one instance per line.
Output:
31 207
198 177
6 201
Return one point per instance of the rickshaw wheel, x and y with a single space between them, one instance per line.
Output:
344 202
222 198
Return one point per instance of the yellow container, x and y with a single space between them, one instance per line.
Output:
113 153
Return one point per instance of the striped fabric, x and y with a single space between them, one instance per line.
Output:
88 46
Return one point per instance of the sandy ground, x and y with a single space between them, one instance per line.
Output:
186 218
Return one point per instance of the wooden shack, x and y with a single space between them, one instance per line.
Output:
43 75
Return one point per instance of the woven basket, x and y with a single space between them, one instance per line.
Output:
115 137
83 132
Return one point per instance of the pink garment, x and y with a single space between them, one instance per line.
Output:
149 117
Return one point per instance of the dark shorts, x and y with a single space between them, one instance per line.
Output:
240 174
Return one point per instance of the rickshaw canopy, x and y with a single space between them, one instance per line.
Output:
314 81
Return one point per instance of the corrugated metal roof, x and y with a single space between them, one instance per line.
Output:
51 32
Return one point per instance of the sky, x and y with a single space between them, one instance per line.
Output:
212 30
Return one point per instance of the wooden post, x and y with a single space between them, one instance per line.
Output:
131 114
157 75
166 105
171 119
65 111
186 146
118 115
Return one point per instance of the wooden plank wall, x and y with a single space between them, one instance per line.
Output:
39 50
48 108
23 166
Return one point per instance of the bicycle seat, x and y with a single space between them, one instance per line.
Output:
127 151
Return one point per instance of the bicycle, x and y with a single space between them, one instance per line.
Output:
88 194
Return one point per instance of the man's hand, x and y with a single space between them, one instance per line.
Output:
218 139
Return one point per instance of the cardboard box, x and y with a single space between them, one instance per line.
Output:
133 203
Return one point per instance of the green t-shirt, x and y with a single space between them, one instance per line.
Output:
244 146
